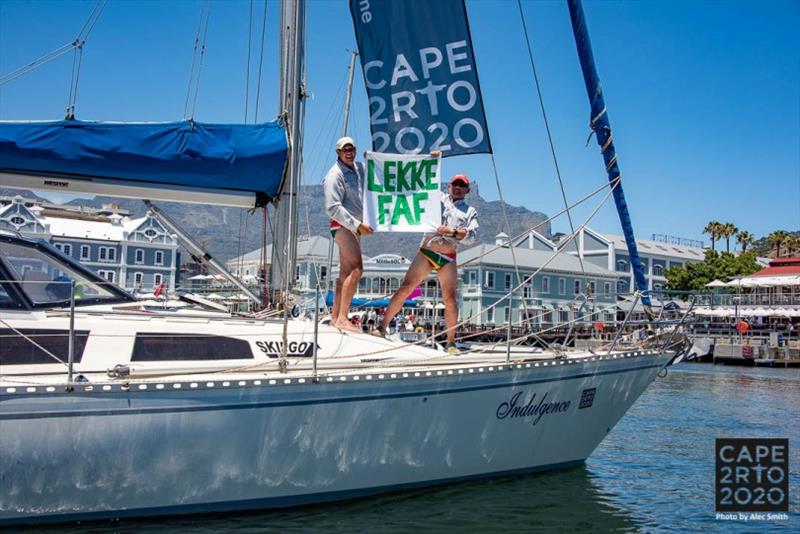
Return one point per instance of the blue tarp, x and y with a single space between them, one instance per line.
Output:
237 157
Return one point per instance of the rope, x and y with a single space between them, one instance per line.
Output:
549 135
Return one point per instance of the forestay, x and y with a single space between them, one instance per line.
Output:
225 164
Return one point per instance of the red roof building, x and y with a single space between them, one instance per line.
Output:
781 267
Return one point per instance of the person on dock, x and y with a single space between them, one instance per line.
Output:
343 185
438 252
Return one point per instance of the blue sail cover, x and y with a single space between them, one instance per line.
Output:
248 158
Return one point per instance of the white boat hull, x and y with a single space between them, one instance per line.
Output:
151 449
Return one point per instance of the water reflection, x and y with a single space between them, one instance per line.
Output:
563 501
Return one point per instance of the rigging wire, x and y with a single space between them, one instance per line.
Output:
260 62
78 41
549 134
194 58
247 71
202 57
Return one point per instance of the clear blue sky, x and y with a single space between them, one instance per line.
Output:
704 96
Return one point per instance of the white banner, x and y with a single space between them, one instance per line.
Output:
402 193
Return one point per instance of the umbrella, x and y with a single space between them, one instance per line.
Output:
716 283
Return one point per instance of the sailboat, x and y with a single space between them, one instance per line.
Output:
109 411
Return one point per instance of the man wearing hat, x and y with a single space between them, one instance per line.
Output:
343 186
438 252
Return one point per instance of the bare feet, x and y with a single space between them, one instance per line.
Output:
347 326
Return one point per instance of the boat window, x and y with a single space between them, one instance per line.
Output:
46 280
158 347
17 346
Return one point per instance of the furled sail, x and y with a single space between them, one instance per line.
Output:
421 78
225 164
602 129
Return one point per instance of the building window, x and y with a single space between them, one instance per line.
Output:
622 265
577 286
488 281
67 249
508 281
657 269
545 284
150 233
473 278
657 288
159 257
506 314
562 286
563 316
622 287
137 279
323 274
296 273
17 221
107 254
139 256
607 288
157 279
527 291
490 315
592 287
59 246
85 252
108 275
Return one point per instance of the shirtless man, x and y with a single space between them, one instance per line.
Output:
438 252
343 186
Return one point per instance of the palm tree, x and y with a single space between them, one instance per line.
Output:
712 229
777 239
744 238
727 230
792 244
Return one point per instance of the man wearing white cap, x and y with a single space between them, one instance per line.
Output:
343 186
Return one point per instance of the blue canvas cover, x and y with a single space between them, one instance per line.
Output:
237 157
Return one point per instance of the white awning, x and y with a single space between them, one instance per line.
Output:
716 283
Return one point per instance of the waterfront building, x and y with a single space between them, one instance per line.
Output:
557 294
610 252
311 266
136 254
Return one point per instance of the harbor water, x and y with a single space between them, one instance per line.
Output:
654 472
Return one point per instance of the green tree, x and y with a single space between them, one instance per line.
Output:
745 239
712 229
716 266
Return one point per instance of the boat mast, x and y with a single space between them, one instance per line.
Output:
602 128
292 106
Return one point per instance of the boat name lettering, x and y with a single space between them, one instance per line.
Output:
56 183
516 408
274 349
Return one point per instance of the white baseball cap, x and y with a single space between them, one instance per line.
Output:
344 141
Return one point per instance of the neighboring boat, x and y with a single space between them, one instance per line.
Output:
110 410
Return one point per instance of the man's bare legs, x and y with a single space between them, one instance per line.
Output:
419 269
350 269
448 279
337 297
